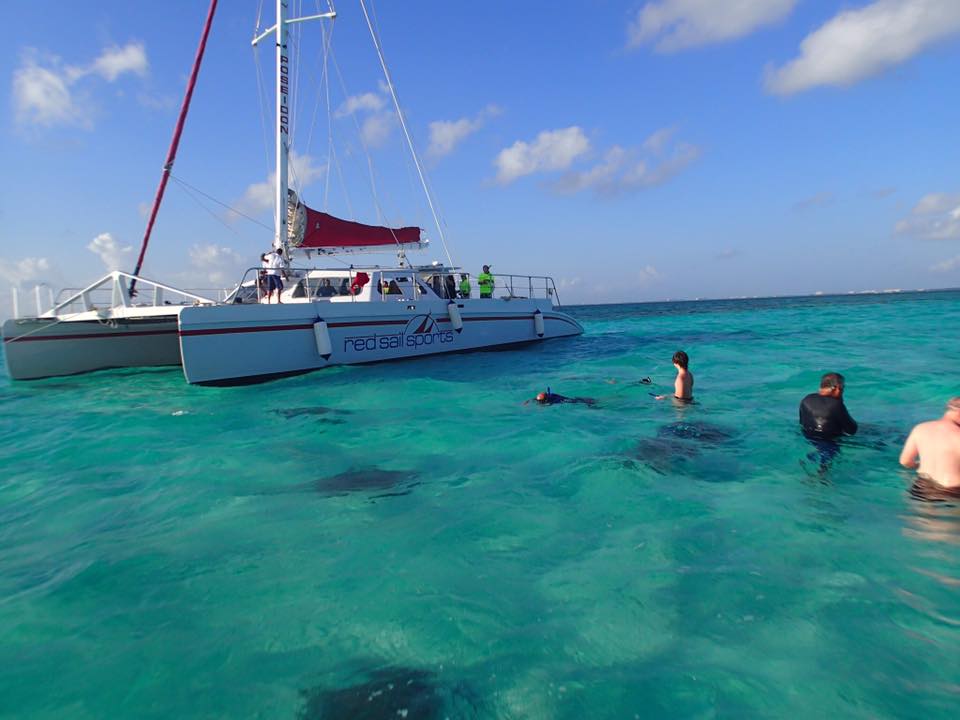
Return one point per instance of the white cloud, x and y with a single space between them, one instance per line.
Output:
219 265
41 95
552 150
154 101
659 140
24 274
115 61
376 128
658 160
820 199
26 270
857 44
259 197
648 274
947 265
45 91
113 255
935 217
672 25
366 102
445 135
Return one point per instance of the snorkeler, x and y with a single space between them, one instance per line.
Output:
683 385
934 449
552 398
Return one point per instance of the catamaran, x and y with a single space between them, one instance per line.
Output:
322 316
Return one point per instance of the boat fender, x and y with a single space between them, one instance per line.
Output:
455 320
322 335
538 323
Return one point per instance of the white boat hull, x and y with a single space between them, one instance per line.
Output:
236 343
42 347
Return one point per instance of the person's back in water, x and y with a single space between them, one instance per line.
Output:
823 416
933 449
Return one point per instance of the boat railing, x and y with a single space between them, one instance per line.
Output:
511 287
253 285
113 291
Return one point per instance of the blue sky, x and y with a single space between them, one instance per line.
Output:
632 150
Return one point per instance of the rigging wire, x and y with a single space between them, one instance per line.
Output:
406 132
263 102
327 42
366 150
187 186
363 143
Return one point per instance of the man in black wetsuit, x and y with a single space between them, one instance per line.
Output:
824 417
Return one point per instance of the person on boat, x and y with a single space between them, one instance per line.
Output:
552 398
683 385
274 267
262 275
933 448
450 285
326 288
361 279
485 283
465 286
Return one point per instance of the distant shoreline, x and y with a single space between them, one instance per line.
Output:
748 298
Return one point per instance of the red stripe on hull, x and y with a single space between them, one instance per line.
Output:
360 323
89 336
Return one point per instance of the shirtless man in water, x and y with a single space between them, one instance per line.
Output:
683 385
938 445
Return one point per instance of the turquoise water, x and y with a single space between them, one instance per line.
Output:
410 540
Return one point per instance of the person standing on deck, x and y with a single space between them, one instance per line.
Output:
934 449
465 288
485 283
275 265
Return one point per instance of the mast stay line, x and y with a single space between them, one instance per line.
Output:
174 144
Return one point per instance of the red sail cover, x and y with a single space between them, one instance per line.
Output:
326 231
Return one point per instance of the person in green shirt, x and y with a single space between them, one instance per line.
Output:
485 282
464 285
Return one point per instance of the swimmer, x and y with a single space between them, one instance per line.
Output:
933 448
683 385
552 398
823 416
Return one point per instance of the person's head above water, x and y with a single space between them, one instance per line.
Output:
953 409
832 384
541 397
680 359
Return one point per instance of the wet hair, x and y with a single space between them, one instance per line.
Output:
680 358
953 404
831 380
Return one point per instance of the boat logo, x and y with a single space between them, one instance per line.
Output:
424 324
420 331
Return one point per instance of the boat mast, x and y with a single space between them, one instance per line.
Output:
174 144
283 77
281 238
